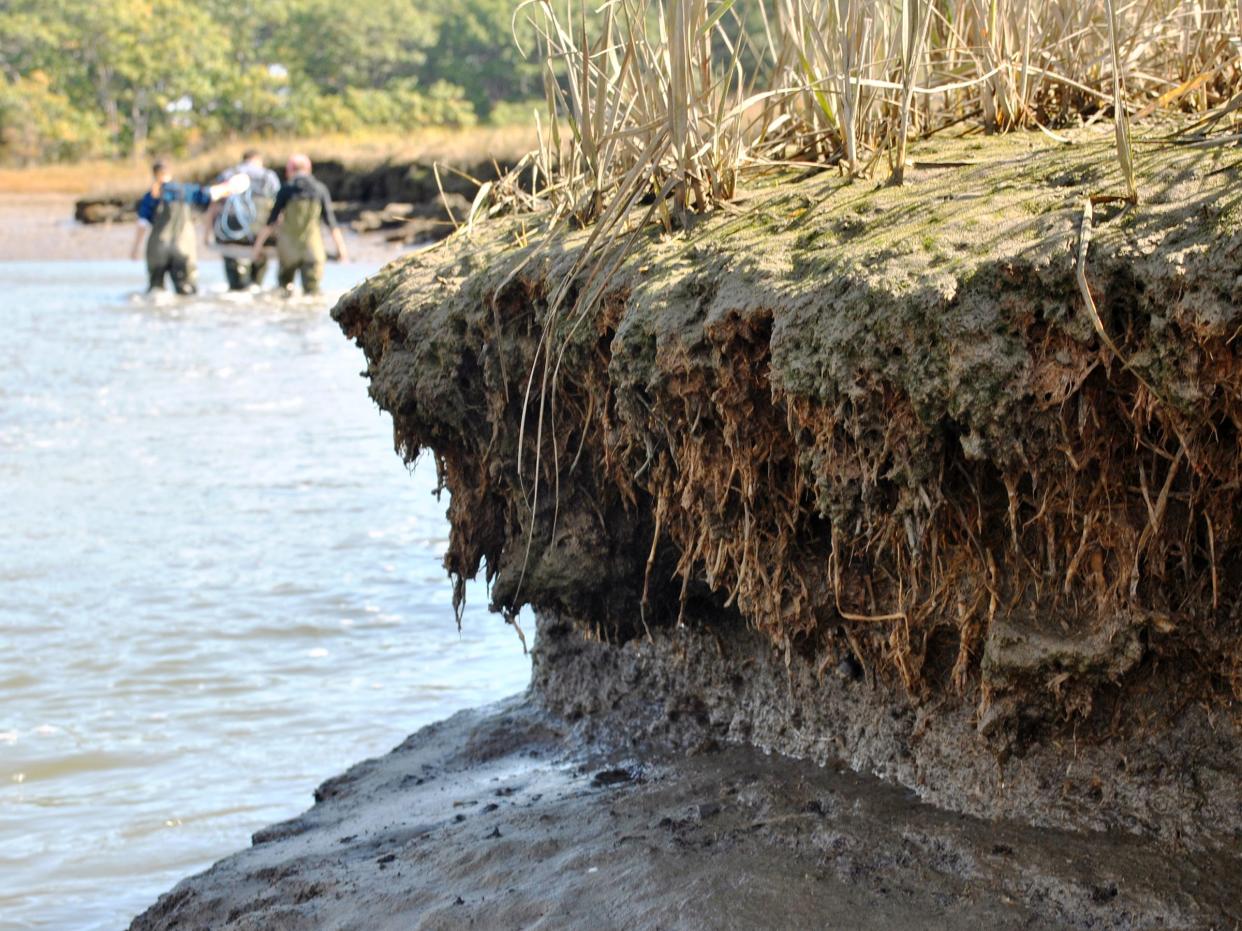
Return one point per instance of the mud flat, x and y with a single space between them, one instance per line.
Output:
509 817
40 228
851 473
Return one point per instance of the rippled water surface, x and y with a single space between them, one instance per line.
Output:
218 584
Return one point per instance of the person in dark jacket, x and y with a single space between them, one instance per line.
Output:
166 221
302 204
235 222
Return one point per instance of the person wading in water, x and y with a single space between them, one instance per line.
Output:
166 212
237 220
300 206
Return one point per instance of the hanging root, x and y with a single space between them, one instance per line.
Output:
1043 506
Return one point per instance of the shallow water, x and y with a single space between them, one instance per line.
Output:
218 584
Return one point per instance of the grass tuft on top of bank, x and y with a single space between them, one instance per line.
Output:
665 104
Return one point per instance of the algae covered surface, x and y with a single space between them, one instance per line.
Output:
877 425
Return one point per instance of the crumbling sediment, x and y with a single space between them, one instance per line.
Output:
878 427
694 685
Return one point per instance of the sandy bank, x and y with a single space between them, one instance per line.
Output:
40 227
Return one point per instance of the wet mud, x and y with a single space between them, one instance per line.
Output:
505 817
1173 786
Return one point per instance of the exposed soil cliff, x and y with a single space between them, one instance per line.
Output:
879 427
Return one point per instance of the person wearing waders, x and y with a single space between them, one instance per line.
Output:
303 202
235 222
166 220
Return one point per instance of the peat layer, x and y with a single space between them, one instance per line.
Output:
879 436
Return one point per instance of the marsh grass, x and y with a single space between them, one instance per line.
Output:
668 102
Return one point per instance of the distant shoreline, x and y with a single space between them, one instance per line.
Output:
384 184
40 228
99 177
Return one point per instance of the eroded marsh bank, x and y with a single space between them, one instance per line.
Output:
879 426
844 471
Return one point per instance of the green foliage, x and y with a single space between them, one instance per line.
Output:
340 45
110 77
476 49
401 105
36 123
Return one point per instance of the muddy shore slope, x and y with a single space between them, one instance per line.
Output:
883 431
504 818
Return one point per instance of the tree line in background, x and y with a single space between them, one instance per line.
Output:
85 78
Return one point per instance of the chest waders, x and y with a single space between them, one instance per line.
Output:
300 244
172 248
242 273
262 210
